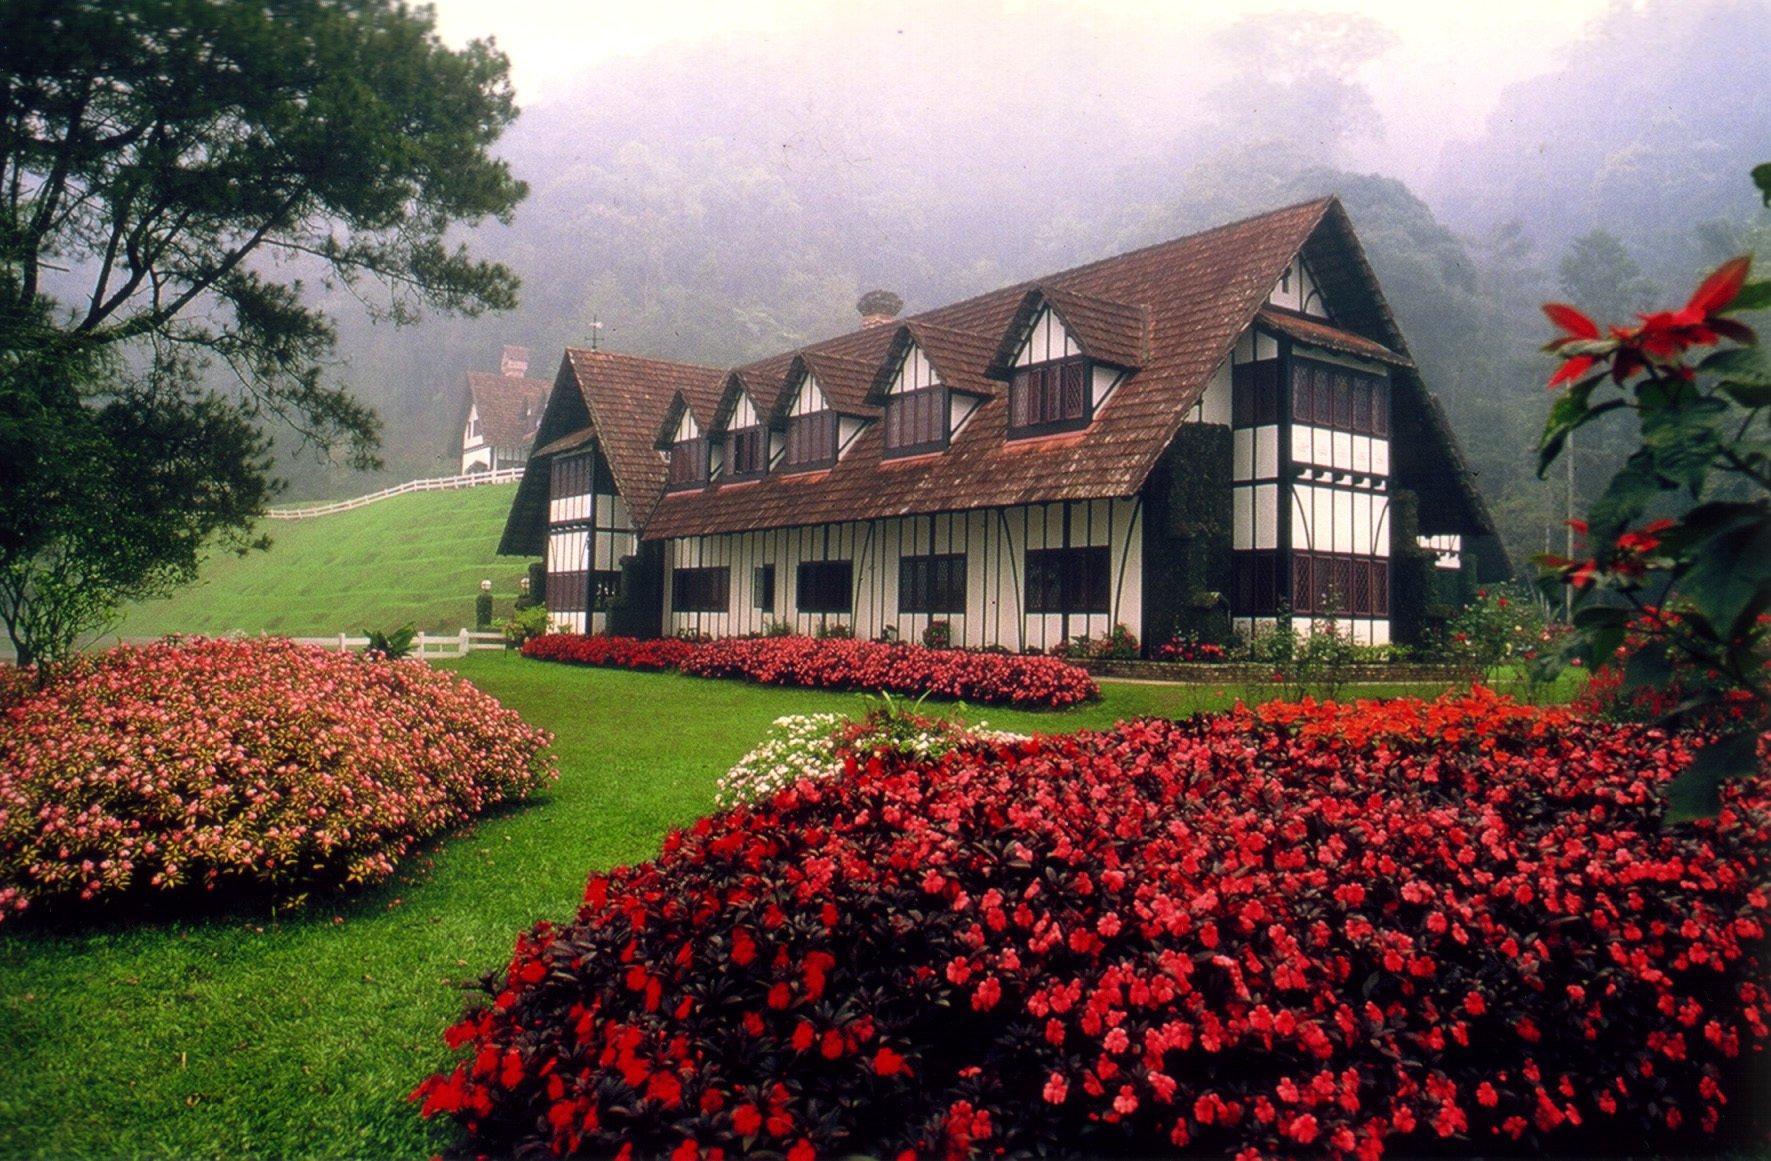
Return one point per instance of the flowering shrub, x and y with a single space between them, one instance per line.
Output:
802 746
256 765
837 663
610 652
799 746
1188 647
1329 929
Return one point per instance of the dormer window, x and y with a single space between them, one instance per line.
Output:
1050 397
688 463
916 421
747 453
811 441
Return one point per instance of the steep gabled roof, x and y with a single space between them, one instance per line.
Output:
844 382
762 384
958 357
1318 333
1199 294
509 407
1191 298
1107 331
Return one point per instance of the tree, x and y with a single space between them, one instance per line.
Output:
170 170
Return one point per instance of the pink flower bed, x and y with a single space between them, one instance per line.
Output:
1329 930
819 663
255 765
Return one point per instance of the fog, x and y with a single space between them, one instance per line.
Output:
726 185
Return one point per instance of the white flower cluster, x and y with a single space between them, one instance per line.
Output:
808 746
798 746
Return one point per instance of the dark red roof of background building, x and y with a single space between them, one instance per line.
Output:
509 407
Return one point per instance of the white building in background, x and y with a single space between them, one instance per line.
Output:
501 414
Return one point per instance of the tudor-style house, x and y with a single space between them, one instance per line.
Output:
500 414
1208 433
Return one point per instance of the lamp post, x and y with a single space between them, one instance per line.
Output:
483 606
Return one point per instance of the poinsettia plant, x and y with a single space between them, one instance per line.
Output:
1680 540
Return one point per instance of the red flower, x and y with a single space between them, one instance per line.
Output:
889 1063
747 1120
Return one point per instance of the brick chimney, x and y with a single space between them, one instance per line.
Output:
515 362
879 307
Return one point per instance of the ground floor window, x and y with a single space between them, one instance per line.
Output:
700 590
826 586
1255 584
1354 586
605 586
1069 580
762 587
932 584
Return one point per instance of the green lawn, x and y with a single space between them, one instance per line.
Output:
417 558
252 1035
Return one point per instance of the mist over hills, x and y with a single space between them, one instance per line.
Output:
725 200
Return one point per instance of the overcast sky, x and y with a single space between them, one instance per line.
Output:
1449 61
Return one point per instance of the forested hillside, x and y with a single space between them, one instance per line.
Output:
734 197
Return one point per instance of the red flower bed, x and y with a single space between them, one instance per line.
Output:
1325 929
834 663
258 766
609 652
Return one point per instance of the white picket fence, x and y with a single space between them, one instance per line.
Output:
436 484
425 645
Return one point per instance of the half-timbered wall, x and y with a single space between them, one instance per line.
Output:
994 543
1310 486
589 532
1296 290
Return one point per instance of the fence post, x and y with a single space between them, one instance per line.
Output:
421 643
341 642
461 650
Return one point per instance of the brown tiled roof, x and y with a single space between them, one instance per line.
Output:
1199 293
845 383
762 382
509 406
958 357
1189 298
1318 333
625 396
1107 331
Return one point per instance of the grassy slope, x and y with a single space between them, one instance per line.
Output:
251 1035
417 558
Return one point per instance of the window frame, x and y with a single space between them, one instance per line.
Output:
1070 564
810 568
920 596
687 446
894 415
823 418
719 578
758 436
1018 385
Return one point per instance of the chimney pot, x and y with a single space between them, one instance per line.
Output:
879 307
515 361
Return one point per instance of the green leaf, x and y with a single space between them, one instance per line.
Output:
1625 497
1683 438
1752 296
1728 564
1697 790
1748 395
1762 179
1739 365
1648 667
